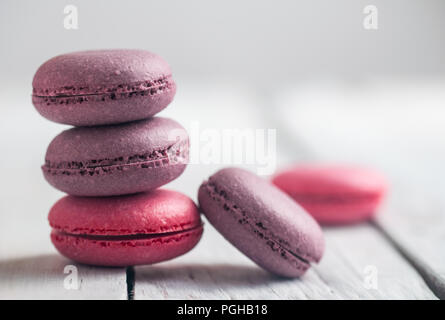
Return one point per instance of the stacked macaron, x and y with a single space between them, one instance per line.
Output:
116 157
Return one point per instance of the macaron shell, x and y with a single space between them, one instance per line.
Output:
334 194
94 70
261 221
102 86
114 141
331 179
116 160
126 252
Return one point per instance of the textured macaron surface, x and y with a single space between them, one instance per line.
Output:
98 71
261 221
103 86
117 231
117 159
334 193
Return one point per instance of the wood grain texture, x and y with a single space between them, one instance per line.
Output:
416 226
216 270
43 277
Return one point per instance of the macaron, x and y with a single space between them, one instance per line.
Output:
117 159
102 87
128 230
334 194
261 221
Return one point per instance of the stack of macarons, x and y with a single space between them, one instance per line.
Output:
113 161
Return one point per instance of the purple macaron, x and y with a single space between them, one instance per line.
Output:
117 159
261 221
102 87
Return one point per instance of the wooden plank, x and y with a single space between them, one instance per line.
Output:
416 226
216 270
366 253
50 276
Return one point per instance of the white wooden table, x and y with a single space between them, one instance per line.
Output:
395 128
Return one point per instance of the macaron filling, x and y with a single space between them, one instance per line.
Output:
73 95
276 243
173 154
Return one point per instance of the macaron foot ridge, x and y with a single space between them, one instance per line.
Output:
74 95
173 154
332 198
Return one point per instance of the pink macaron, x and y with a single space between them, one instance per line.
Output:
138 229
334 194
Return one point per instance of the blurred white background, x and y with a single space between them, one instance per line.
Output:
265 43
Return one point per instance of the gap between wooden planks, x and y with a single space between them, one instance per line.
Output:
216 270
